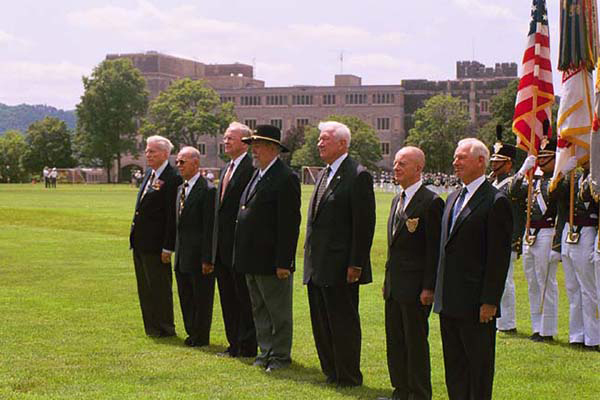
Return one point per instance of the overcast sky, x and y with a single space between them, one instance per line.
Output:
46 47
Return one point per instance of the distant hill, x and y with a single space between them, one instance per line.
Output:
21 116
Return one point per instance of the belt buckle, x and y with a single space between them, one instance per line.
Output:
572 237
530 239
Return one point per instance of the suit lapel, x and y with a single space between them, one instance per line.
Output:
468 208
335 181
193 195
311 204
390 225
446 217
409 211
144 183
234 177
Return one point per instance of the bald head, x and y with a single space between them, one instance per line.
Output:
408 166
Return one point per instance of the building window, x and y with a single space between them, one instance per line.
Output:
250 101
277 100
278 122
228 99
385 148
202 148
356 98
464 105
383 98
383 124
250 123
484 106
221 149
302 99
300 122
329 99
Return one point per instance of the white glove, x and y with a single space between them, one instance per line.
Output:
554 256
569 166
527 164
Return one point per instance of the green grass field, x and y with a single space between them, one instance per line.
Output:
70 325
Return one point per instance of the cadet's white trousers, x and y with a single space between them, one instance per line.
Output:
541 283
507 303
580 280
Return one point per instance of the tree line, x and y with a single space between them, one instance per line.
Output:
115 114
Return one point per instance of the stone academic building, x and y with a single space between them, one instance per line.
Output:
388 108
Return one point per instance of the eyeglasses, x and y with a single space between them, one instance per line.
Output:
179 162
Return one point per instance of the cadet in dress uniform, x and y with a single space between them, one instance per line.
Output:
540 262
578 247
502 159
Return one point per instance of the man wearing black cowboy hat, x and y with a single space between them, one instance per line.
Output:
540 257
502 158
266 236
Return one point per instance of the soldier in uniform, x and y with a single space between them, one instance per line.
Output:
577 248
501 161
540 262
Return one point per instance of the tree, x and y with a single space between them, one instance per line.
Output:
293 139
12 147
48 144
114 99
185 111
439 125
364 144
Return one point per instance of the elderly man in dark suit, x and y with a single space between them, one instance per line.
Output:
233 291
413 251
266 236
339 234
152 238
474 259
193 248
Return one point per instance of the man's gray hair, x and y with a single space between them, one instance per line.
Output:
162 142
238 127
340 131
193 152
477 148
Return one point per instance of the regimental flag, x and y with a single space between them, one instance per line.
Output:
535 95
595 139
578 53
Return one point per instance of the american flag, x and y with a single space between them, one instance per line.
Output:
535 85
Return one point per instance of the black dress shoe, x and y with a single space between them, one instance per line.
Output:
512 331
590 348
330 380
547 338
246 354
536 337
194 343
226 353
260 362
577 345
277 365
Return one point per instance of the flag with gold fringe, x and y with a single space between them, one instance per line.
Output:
577 56
535 94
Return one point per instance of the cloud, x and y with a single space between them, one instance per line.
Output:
58 84
8 39
485 8
400 67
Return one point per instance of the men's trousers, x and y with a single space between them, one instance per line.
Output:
271 299
407 328
508 302
154 284
237 311
196 297
542 285
469 356
580 280
336 329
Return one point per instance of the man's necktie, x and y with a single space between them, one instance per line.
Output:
182 197
226 179
321 189
398 212
253 184
149 184
458 206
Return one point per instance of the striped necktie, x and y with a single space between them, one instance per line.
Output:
149 184
321 189
182 197
226 179
399 211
